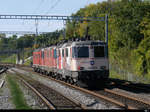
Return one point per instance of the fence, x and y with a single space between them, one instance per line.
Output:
125 75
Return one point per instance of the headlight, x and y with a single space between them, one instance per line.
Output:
80 68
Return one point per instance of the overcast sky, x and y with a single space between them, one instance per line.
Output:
43 7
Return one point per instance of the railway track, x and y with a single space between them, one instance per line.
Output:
98 95
130 102
131 86
108 95
3 69
52 98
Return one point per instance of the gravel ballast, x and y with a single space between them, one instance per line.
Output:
31 98
5 95
81 97
141 96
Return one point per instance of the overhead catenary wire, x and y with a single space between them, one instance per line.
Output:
39 6
53 6
87 2
35 11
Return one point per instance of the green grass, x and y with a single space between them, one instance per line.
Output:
17 94
114 74
8 59
28 62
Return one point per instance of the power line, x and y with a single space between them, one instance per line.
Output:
87 2
38 7
53 6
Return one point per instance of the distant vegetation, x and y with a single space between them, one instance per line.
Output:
129 33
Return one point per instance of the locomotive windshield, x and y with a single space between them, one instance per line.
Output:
99 51
80 52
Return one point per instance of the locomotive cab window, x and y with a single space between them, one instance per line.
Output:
99 51
80 52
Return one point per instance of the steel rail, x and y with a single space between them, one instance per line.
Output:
47 102
102 96
120 104
128 97
50 106
131 85
93 94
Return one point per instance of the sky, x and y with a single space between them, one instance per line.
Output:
40 7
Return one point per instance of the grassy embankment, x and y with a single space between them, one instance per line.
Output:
135 78
17 95
12 59
8 59
28 62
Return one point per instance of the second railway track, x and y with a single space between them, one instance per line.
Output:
110 96
130 102
130 85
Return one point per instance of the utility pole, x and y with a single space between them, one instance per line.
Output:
106 28
106 33
36 26
36 30
64 22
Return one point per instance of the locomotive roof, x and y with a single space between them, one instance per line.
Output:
36 50
74 43
61 45
89 43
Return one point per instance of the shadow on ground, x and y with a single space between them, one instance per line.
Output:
112 83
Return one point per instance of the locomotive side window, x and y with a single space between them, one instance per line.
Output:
55 53
63 53
50 53
66 52
43 54
74 52
47 53
58 52
99 51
